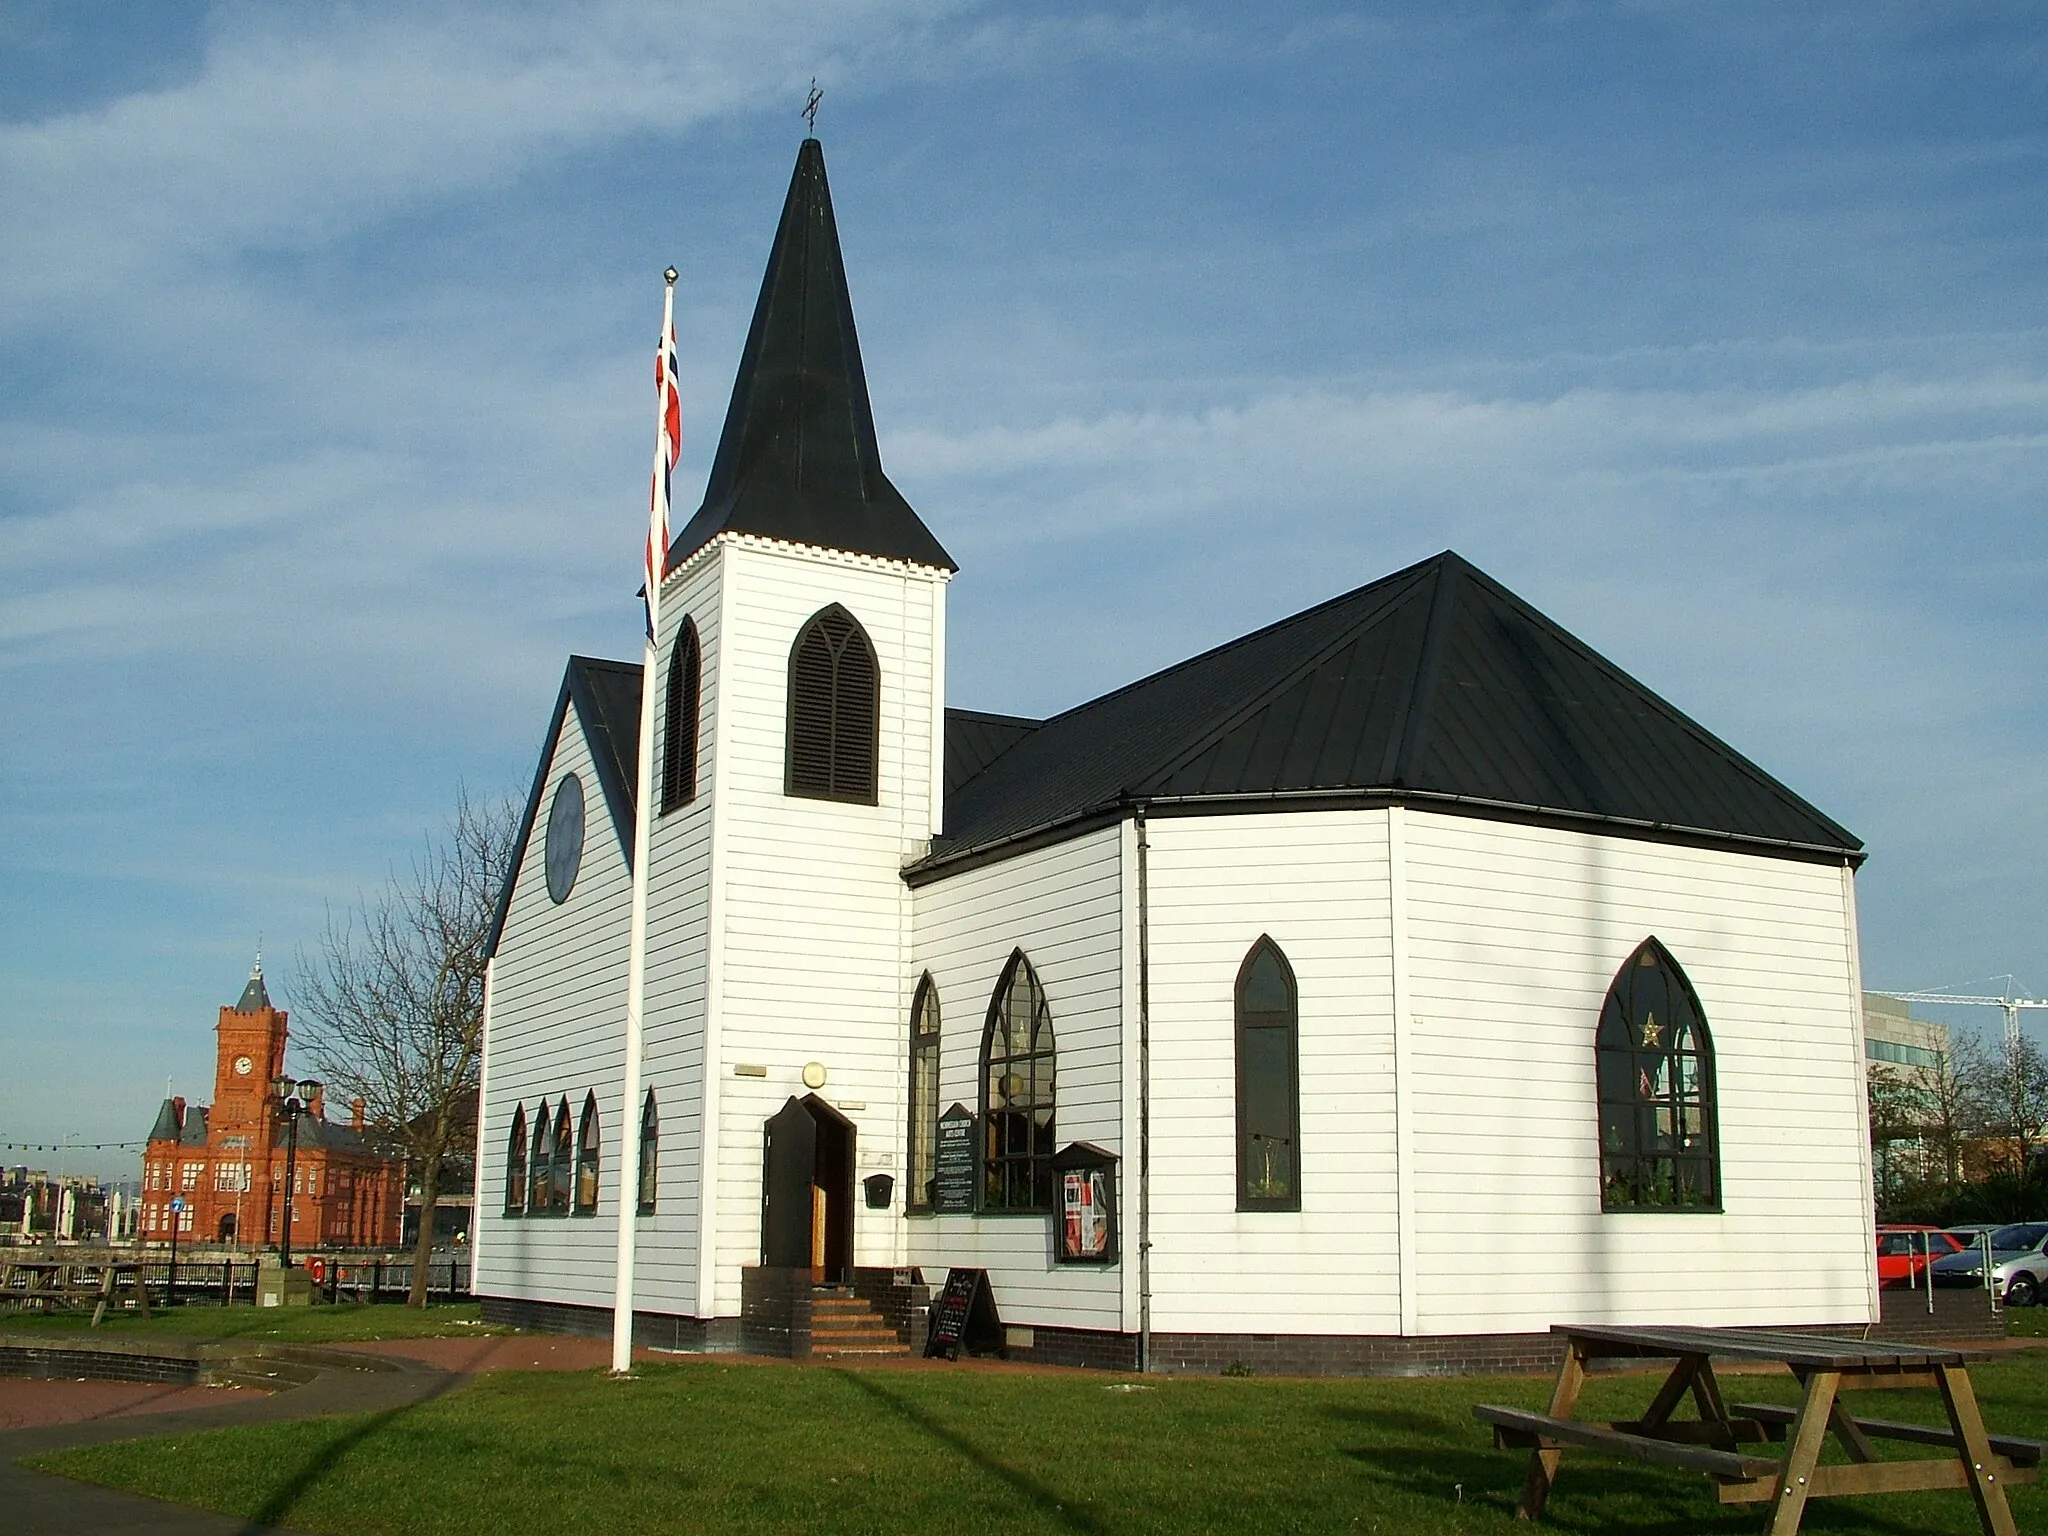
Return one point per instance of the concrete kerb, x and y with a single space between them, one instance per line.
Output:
303 1382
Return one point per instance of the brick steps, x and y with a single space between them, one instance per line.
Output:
844 1325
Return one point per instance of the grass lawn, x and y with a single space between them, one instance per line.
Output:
300 1325
2027 1322
708 1447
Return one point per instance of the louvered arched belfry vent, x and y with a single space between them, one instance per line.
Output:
834 705
679 734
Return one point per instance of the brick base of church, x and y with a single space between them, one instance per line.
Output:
1292 1354
651 1330
1959 1316
775 1307
776 1322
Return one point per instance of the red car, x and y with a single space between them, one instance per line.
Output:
1902 1252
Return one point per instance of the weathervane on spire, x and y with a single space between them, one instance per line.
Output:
810 112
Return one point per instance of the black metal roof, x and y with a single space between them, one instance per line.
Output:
606 696
1434 683
974 740
167 1127
255 996
798 458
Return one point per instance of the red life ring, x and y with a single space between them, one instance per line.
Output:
318 1269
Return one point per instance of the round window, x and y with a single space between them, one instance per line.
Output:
565 837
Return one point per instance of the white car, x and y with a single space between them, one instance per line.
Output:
2023 1280
2019 1264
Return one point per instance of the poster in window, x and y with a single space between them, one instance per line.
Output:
1086 1211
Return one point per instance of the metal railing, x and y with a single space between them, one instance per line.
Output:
74 1283
1913 1274
1983 1247
375 1280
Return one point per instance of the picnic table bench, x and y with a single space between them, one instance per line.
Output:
1736 1445
71 1282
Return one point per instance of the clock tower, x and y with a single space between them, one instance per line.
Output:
227 1173
251 1054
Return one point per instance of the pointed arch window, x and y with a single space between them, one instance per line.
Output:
834 710
587 1141
537 1160
679 728
1018 1058
1268 1082
924 1094
560 1154
1659 1140
515 1164
650 1150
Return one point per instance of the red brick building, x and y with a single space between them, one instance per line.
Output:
228 1160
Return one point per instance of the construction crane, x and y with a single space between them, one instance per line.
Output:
2012 1006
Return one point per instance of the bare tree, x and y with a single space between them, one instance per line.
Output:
1952 1102
1898 1110
394 997
2014 1086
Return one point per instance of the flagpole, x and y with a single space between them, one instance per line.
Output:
643 839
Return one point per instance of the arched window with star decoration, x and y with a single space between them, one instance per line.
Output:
1659 1142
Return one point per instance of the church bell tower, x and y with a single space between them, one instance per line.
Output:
803 608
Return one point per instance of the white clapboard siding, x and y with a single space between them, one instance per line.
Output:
1514 936
814 919
1317 884
1063 906
678 928
557 1030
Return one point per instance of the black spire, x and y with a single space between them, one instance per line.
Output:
255 995
798 459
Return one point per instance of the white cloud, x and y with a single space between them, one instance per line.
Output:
299 128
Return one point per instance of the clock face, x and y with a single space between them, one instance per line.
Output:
243 1066
565 838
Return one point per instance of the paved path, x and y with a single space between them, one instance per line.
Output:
29 1403
516 1352
40 1504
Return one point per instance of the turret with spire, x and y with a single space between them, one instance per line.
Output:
798 458
801 548
255 996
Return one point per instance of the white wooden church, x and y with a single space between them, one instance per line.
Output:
1371 992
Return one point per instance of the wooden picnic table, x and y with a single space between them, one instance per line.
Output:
71 1281
1735 1444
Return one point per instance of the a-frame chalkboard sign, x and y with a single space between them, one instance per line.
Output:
964 1316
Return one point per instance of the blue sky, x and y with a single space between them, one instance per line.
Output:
1719 332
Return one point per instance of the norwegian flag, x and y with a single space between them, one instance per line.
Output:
668 447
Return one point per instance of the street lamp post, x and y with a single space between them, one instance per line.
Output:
177 1219
295 1096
